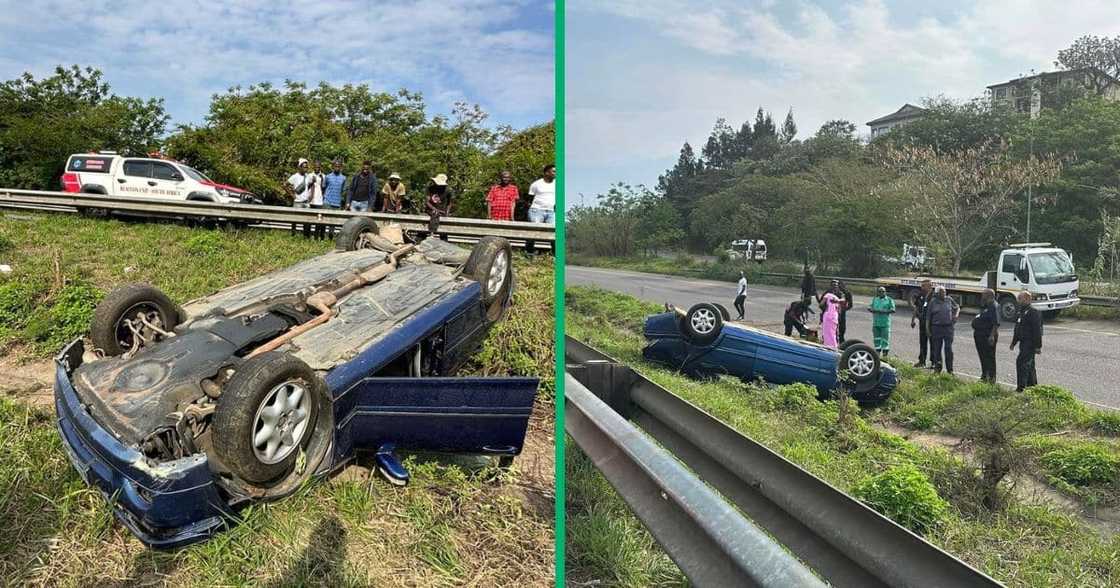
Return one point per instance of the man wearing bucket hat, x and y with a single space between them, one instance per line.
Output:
438 202
392 194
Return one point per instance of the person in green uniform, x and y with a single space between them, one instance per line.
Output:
882 307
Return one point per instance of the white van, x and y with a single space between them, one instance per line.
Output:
111 174
747 249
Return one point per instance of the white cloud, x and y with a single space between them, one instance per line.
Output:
695 61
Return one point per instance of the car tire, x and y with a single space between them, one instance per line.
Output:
350 236
491 265
703 323
108 331
848 343
723 311
266 415
860 362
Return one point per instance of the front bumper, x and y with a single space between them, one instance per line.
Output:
1045 305
165 505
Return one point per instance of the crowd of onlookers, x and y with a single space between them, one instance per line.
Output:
310 187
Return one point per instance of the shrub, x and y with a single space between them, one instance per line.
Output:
904 494
796 396
1082 465
1106 423
204 243
1056 408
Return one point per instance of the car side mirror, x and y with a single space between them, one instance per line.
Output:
177 177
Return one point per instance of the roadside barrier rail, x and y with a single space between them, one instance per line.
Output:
461 228
630 426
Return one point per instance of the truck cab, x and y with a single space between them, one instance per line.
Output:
1045 271
747 249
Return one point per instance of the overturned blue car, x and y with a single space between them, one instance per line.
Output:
181 415
703 343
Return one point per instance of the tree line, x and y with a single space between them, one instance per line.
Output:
955 180
252 137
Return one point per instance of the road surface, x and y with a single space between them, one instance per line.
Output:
1081 356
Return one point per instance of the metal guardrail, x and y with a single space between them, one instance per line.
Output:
452 226
845 542
1098 301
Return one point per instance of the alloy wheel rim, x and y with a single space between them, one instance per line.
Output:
281 421
703 321
498 270
861 364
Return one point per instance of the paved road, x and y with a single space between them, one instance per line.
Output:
1083 356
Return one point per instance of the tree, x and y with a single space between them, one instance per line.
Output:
1098 56
961 197
789 128
609 227
950 125
837 128
43 121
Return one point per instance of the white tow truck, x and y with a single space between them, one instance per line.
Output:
1039 268
749 249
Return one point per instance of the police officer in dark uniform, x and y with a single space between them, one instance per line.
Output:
919 302
985 333
1028 335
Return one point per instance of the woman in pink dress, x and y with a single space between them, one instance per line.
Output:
830 318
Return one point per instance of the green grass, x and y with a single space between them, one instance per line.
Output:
1024 545
459 522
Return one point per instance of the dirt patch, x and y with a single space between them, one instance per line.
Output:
27 380
537 463
1030 489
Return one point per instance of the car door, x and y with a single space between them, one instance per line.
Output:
486 416
169 181
135 178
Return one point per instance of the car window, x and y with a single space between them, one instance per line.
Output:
138 168
80 163
194 174
1011 263
165 171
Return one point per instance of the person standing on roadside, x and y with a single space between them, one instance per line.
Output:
332 186
808 286
941 316
830 318
363 190
438 203
315 196
846 296
501 198
392 194
543 192
985 333
298 187
741 296
919 302
1028 335
882 307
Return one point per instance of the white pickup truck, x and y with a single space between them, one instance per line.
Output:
111 174
1039 268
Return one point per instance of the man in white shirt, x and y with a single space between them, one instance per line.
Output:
543 192
299 185
741 296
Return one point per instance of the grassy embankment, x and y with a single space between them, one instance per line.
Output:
459 522
1042 540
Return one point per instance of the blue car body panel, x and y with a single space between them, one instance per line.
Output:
180 502
749 353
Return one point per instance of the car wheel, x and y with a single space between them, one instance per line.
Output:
267 413
722 311
703 322
129 311
860 363
491 265
356 233
848 343
1008 308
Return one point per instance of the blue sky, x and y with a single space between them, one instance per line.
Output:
499 54
643 76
